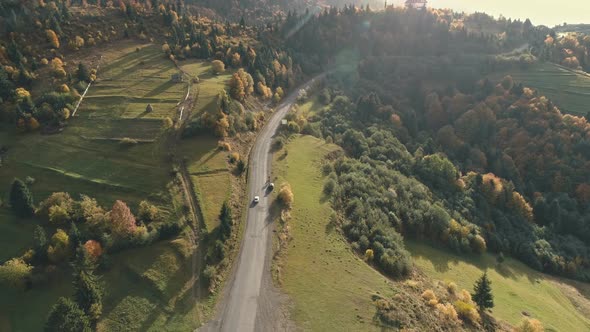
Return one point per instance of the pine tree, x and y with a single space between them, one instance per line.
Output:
40 243
21 199
74 235
226 221
88 287
482 295
66 316
83 73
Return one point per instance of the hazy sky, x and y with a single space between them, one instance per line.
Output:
546 12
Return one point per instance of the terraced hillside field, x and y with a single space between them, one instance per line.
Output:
569 90
89 158
206 164
129 79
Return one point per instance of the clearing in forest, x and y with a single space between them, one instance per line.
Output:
568 89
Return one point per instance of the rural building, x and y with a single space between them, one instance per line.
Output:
417 4
176 78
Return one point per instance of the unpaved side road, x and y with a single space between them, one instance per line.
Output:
250 302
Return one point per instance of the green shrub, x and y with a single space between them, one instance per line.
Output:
329 187
278 143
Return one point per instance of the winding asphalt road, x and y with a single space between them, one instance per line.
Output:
243 294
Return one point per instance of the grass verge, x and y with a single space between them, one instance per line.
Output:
330 286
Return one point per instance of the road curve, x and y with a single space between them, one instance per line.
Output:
243 300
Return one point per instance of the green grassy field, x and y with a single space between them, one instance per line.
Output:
208 168
330 286
209 84
16 235
87 157
27 310
151 291
128 80
516 288
570 91
209 174
148 288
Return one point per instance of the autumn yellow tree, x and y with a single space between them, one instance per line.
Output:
218 66
247 81
60 246
236 60
52 38
264 91
237 87
529 325
286 196
222 125
76 43
14 272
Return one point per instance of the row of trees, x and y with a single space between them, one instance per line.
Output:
570 50
83 312
79 225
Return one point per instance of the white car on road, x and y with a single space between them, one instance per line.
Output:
256 199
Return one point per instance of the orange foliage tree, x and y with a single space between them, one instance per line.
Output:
93 248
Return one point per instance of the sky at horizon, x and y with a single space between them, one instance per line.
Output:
540 12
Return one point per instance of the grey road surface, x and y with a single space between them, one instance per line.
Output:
243 296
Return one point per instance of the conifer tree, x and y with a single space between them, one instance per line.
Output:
88 287
21 199
482 295
40 243
226 220
66 316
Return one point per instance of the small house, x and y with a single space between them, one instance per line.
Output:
417 4
176 78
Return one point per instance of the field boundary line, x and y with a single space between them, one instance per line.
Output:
86 91
81 177
578 72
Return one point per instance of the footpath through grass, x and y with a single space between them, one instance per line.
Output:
331 287
517 289
569 90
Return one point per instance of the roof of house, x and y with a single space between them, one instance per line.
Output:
409 2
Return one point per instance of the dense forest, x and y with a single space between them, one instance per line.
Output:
434 151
